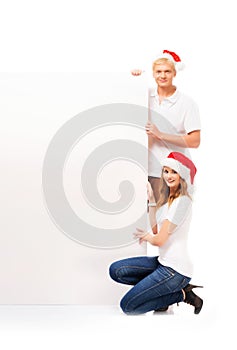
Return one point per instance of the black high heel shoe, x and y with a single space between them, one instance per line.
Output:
192 299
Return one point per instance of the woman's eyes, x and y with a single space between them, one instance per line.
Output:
172 171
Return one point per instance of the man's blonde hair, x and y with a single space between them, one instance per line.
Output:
163 60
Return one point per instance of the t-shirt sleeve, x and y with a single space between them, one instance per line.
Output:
192 117
179 209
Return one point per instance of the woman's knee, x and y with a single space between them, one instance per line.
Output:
127 305
112 270
124 306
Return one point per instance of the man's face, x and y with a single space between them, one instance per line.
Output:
163 74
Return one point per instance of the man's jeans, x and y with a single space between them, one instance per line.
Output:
155 286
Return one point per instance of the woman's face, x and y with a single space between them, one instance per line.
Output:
171 177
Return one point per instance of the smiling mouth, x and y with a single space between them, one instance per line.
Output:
170 182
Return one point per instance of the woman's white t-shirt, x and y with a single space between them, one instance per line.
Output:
174 253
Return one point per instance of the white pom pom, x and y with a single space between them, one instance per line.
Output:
179 66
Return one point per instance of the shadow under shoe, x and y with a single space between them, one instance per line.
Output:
162 309
193 299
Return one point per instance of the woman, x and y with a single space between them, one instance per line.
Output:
164 280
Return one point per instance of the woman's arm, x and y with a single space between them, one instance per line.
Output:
152 209
160 238
152 219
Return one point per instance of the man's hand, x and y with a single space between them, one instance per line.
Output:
153 131
136 72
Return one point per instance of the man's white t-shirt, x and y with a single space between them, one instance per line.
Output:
174 253
178 115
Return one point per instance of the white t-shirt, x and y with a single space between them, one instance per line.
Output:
174 253
178 115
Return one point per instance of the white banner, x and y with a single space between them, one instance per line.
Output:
73 176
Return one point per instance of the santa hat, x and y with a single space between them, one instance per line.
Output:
173 57
182 165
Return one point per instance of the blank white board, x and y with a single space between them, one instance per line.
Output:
73 184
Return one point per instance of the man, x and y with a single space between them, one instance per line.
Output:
174 121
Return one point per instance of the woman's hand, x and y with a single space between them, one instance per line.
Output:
141 234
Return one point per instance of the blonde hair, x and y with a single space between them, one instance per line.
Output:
164 192
163 60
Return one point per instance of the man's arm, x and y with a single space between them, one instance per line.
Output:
190 140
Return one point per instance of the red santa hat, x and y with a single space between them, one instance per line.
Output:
173 57
182 165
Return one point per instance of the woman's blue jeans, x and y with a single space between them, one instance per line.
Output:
155 286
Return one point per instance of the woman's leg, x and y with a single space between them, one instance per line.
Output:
132 270
161 288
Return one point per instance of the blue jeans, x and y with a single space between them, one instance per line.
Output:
155 286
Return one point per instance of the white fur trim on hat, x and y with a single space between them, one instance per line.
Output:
181 169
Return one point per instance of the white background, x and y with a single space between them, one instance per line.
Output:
114 36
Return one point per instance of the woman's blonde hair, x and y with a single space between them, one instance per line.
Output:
164 192
163 60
